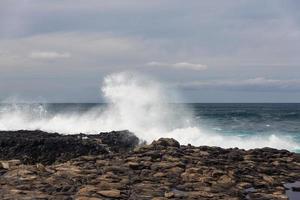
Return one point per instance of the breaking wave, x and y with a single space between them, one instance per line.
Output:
136 103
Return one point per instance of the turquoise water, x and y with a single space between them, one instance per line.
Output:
250 119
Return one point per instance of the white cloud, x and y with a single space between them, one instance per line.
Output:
87 50
179 65
49 55
254 84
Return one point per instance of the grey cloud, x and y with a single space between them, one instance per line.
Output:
236 39
88 49
254 84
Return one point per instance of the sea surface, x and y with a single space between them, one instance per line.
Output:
240 125
244 119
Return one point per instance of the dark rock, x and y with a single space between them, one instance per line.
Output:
235 156
166 142
118 141
296 189
41 147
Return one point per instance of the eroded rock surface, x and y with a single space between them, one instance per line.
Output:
162 170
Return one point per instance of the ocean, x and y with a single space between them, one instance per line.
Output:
242 125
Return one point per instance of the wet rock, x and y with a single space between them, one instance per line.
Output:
166 142
296 189
118 141
41 147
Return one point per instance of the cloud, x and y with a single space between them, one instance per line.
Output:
179 65
88 50
49 55
236 40
254 84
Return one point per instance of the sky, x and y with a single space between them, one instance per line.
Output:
206 51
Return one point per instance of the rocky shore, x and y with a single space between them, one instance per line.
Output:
39 165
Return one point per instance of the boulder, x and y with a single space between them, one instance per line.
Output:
166 142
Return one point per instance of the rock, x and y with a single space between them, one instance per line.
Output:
40 147
268 179
107 185
225 181
162 170
87 198
170 158
194 170
235 156
166 142
175 170
159 174
134 165
244 185
87 190
169 194
296 189
191 177
202 153
10 164
118 141
110 193
163 165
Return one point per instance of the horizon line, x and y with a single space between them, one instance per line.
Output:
36 102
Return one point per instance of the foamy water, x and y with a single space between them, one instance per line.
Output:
138 104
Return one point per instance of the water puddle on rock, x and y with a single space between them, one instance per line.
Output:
248 191
293 190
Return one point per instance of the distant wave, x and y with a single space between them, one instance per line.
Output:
138 104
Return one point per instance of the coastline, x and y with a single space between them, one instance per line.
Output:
115 166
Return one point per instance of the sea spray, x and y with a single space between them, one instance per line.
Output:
136 103
141 105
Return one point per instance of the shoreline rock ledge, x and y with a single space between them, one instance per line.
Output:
161 170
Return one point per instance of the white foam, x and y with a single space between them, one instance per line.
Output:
140 105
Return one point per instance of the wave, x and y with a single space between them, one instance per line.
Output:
136 103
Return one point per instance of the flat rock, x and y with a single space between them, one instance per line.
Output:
110 193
